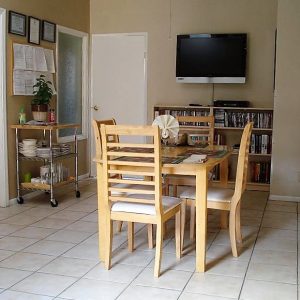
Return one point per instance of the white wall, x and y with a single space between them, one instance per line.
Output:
286 138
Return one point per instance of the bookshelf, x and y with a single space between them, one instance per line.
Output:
229 124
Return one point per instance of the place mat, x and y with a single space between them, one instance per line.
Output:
165 159
210 153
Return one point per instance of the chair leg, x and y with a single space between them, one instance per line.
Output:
119 226
158 251
232 233
239 237
130 236
183 212
192 222
224 219
178 234
108 251
150 236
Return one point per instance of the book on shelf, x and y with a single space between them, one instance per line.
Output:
261 144
260 172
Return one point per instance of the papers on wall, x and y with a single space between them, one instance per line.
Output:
29 63
24 80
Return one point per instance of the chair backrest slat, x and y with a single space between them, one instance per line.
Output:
202 125
122 160
242 165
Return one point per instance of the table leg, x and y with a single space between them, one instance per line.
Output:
101 213
224 173
223 183
201 219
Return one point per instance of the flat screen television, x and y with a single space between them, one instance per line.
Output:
211 58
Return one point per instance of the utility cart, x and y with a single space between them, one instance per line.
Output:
47 187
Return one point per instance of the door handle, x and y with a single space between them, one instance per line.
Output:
95 107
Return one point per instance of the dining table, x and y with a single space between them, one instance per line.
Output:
173 164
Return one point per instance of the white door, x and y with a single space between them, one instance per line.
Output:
119 86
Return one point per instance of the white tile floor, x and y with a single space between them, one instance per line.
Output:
52 253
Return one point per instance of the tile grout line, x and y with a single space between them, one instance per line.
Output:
260 226
22 250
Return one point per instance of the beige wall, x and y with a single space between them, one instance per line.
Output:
286 142
70 13
163 22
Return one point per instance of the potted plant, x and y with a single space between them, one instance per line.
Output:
42 92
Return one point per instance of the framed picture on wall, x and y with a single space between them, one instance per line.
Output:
48 31
34 30
16 23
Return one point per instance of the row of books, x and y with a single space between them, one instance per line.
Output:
261 144
224 118
260 172
219 139
175 113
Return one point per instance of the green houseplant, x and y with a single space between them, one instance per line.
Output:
42 92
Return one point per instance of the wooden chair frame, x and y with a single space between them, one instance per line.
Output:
112 173
234 205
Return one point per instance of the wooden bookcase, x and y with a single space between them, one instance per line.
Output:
229 124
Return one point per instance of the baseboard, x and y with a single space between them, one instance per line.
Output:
284 198
37 193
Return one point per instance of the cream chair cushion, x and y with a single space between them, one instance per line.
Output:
141 208
213 194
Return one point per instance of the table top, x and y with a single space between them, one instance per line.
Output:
215 155
44 127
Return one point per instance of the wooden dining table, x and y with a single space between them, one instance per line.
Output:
199 170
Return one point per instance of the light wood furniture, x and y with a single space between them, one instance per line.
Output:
229 124
200 171
114 138
51 186
227 199
133 203
203 126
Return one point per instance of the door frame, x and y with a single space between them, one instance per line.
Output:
4 196
145 100
85 85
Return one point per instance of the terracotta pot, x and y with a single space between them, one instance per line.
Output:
39 112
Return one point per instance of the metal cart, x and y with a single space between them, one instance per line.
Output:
48 188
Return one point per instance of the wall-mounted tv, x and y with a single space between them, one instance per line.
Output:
211 58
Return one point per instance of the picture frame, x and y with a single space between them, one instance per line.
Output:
16 23
34 30
48 31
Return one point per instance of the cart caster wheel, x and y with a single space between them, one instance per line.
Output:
54 203
77 194
20 200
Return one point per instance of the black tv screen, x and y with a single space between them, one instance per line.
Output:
215 58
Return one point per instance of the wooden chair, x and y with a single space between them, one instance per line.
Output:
203 126
135 204
227 199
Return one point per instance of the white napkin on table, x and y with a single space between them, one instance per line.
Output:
196 159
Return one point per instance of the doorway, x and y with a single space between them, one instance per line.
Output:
4 200
118 80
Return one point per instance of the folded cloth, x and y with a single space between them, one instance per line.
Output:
196 159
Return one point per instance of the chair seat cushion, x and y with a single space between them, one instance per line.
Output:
141 208
213 194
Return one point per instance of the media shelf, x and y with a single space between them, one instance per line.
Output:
229 124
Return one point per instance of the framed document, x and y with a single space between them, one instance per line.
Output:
16 23
48 31
34 30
